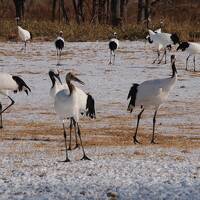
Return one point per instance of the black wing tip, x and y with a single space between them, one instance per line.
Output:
90 107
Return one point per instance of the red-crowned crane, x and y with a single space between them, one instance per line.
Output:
113 45
151 93
24 36
192 48
67 105
59 43
163 40
87 103
11 83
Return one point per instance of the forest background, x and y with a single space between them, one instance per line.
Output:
91 20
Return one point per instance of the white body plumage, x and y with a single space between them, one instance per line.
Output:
192 48
154 92
7 84
24 34
11 83
66 105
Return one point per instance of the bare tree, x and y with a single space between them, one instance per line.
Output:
78 7
66 19
115 12
19 7
53 10
61 5
102 11
123 10
95 8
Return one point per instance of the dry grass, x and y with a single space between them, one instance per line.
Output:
47 30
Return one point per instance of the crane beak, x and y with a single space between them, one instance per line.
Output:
58 77
78 80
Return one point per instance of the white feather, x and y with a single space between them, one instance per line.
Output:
7 83
24 34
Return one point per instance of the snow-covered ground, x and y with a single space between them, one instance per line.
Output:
30 169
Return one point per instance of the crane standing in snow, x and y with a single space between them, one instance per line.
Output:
11 83
163 40
113 45
151 93
24 36
67 106
55 88
87 104
192 48
59 43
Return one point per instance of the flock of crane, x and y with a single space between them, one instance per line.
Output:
71 102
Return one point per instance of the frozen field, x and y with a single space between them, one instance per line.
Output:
31 143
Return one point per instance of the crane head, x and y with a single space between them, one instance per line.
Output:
55 74
71 77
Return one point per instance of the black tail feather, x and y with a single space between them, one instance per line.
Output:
132 94
90 107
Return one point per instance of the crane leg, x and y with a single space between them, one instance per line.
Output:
157 58
110 58
65 137
187 62
12 102
194 63
114 58
165 56
76 139
60 55
84 155
154 122
162 57
138 120
1 125
70 135
25 46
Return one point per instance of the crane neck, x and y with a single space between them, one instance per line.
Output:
52 79
70 86
174 71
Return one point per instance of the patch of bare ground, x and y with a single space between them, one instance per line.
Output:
117 134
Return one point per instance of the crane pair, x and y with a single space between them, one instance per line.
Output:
166 40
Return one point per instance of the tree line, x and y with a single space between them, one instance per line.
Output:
112 12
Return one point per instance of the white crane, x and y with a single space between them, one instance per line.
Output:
67 106
151 93
24 36
113 45
11 83
159 45
86 101
55 88
192 48
163 40
59 43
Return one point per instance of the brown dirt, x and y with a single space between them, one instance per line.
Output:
118 134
